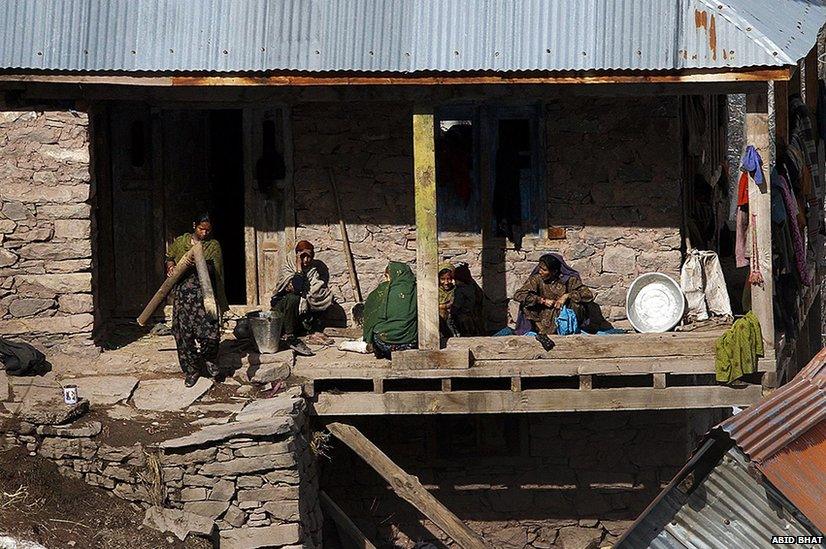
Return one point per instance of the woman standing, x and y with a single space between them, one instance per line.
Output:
197 334
390 312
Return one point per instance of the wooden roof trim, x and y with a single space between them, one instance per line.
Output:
374 79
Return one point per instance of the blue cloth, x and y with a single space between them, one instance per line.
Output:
506 331
752 163
566 322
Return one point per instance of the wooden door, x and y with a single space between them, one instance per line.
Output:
268 199
137 211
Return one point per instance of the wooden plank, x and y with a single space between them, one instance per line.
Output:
586 383
427 246
418 359
378 385
757 134
536 400
528 368
447 385
347 529
250 240
407 486
356 79
516 384
781 114
584 346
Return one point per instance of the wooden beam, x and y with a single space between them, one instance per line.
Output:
757 134
526 368
250 238
346 527
421 79
427 246
535 400
446 359
407 486
781 116
810 69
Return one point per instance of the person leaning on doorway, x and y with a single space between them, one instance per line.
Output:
197 334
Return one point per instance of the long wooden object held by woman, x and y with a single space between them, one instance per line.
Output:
210 305
180 268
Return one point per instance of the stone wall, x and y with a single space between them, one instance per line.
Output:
613 171
251 482
45 229
570 481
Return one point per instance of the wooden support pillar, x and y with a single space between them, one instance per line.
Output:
757 134
407 486
810 79
427 245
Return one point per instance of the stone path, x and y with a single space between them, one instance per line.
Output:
168 395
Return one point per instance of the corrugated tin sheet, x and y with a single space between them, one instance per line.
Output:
729 508
798 471
790 412
404 36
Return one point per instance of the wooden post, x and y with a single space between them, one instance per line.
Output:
427 245
810 78
407 486
757 134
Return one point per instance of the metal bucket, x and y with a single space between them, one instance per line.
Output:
266 332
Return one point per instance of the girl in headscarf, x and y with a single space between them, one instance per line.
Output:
447 289
547 291
197 335
391 313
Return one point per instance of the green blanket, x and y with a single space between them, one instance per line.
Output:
738 348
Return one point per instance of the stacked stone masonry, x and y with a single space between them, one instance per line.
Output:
260 491
612 171
46 228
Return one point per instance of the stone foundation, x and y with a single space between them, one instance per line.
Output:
45 229
253 480
571 480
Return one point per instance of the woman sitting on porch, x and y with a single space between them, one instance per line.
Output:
461 302
391 313
197 334
547 291
315 295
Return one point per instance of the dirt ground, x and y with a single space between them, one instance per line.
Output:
38 504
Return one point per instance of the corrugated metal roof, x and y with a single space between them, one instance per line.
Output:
792 410
799 472
728 508
404 36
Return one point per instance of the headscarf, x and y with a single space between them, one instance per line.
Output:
446 296
523 325
304 246
390 310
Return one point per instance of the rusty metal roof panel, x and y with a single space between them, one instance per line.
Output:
788 413
798 471
403 36
728 508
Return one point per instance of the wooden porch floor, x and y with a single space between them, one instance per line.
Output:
515 374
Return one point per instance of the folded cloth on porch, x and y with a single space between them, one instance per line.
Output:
213 257
566 322
738 348
702 282
20 359
390 310
752 163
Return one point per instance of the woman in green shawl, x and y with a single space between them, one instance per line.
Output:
390 312
197 334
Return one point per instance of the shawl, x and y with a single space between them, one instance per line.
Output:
390 310
738 348
782 185
446 296
523 326
317 297
212 252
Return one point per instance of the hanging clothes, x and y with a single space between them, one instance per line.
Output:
737 350
780 184
702 282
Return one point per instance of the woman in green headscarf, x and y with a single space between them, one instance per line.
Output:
390 312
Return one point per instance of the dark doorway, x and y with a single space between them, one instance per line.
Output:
226 180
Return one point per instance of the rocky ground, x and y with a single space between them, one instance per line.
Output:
39 504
